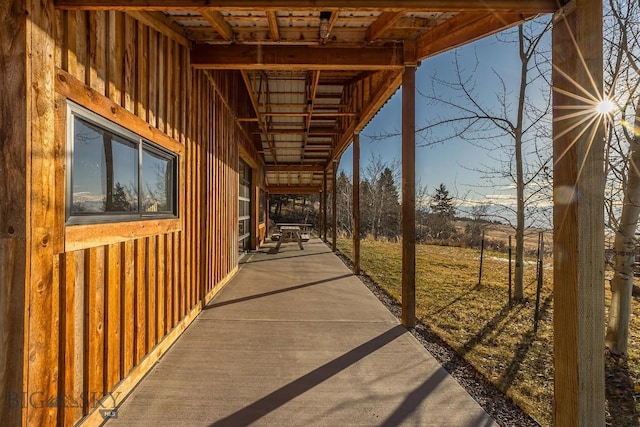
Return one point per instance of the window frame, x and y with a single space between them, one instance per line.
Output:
141 144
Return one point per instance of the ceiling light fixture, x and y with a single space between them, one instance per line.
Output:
324 25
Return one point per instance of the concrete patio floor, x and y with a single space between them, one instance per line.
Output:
295 339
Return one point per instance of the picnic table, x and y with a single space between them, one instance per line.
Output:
291 233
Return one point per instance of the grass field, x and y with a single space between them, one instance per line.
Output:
497 339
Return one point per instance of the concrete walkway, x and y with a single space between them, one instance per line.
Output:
296 340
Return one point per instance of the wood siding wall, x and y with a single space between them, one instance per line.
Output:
120 298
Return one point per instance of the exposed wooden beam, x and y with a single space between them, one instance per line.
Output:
533 6
273 25
158 21
252 57
465 28
303 114
390 84
254 102
324 206
293 189
382 24
294 168
218 23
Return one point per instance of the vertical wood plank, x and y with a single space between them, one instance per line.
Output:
78 348
161 119
39 139
115 56
140 342
94 319
152 108
97 51
169 283
142 71
150 311
161 299
126 308
168 64
177 289
113 306
130 48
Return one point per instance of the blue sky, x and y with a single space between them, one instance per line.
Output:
447 162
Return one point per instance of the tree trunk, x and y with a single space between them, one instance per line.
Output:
625 246
519 273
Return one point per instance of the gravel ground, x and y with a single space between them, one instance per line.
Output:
493 401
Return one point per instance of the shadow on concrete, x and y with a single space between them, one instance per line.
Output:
280 397
250 261
275 292
414 399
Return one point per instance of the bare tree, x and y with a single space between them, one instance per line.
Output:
510 127
622 80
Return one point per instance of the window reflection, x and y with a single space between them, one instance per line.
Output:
157 183
105 171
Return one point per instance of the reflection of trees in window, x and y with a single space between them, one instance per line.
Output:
115 172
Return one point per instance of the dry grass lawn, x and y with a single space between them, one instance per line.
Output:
498 340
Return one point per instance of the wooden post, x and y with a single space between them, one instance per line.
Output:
334 208
578 253
356 203
409 197
481 259
324 206
29 300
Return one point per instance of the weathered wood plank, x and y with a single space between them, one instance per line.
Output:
113 316
140 305
94 321
43 292
126 309
97 51
115 56
152 108
142 72
169 296
152 289
130 44
161 299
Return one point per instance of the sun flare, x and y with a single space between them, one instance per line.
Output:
606 106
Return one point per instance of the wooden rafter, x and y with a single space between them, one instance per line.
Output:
293 189
158 21
312 89
464 28
256 108
294 168
528 6
390 85
218 23
273 25
270 57
382 24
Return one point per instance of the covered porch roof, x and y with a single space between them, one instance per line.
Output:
317 71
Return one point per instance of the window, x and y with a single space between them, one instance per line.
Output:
114 174
244 207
